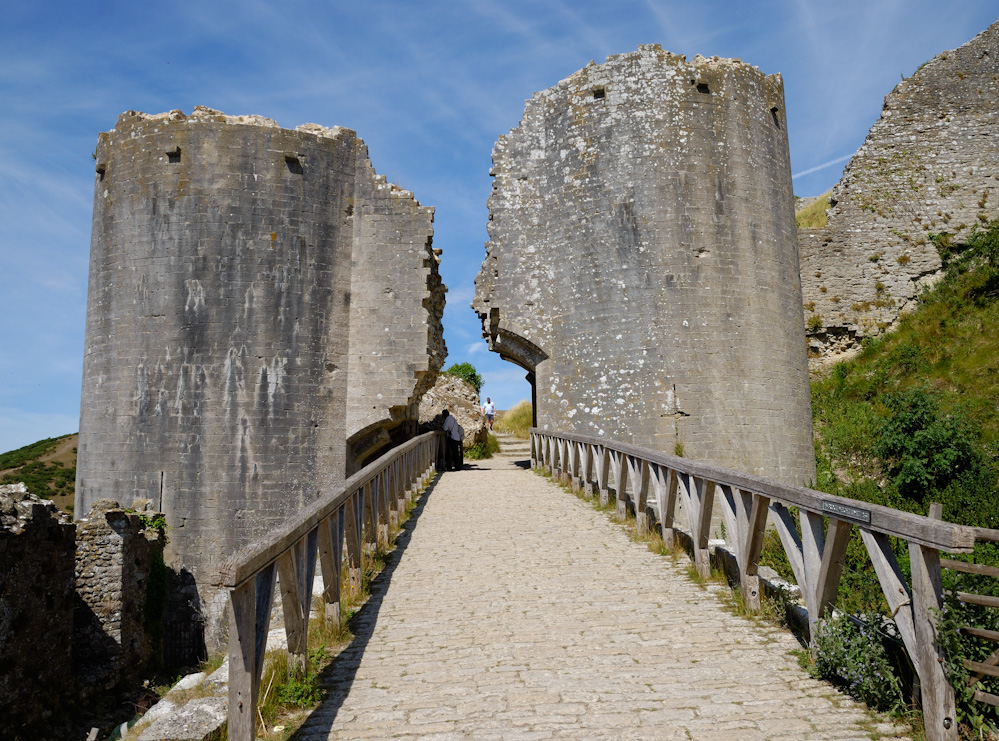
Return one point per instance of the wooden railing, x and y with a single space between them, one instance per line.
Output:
358 512
631 474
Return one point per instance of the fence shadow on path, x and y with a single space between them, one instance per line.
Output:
339 676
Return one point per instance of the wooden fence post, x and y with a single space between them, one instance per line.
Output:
355 506
939 710
250 617
331 534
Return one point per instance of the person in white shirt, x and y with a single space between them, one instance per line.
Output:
489 409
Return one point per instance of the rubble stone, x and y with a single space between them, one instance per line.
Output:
461 399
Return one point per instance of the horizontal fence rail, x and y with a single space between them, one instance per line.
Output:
358 512
815 547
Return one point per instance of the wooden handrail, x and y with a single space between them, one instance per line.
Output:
358 511
245 563
944 536
815 549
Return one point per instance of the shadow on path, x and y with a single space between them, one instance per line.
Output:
338 677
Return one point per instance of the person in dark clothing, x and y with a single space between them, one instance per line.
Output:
452 436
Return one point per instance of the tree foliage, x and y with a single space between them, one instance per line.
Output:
466 372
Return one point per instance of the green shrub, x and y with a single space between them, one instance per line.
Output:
855 655
299 692
44 479
466 372
922 451
483 450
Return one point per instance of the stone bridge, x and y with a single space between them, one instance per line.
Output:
513 609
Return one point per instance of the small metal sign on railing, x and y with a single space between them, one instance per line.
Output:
837 509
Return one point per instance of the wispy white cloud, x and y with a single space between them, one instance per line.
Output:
428 86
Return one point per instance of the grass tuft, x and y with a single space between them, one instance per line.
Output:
813 215
516 421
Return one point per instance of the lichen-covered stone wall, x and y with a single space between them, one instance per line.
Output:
225 256
642 262
36 612
929 165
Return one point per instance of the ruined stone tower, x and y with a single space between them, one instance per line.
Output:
929 165
228 260
642 263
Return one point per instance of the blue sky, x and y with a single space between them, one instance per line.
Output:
428 85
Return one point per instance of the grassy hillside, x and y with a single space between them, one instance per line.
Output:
914 419
814 214
47 467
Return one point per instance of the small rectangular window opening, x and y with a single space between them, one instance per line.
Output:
173 155
702 87
294 164
101 169
599 93
773 112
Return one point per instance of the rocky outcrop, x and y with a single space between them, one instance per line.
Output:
642 261
929 166
460 398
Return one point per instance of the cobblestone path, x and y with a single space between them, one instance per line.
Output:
516 611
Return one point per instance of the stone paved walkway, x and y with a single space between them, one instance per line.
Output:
516 611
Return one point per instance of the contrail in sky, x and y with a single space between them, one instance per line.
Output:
824 165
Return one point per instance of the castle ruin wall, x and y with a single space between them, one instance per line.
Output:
642 262
216 369
397 303
121 592
36 610
929 165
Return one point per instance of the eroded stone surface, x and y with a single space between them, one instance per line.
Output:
642 261
198 720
